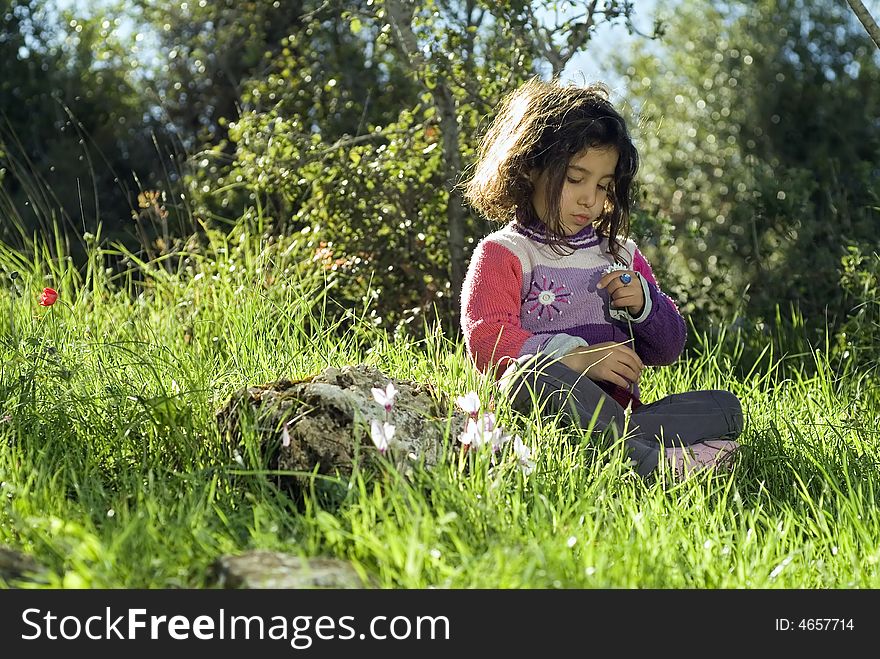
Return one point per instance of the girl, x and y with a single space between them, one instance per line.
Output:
559 304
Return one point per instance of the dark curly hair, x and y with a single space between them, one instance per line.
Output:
540 127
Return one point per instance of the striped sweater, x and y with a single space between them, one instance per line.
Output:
520 298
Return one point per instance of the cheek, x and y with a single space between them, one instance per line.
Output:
568 197
539 201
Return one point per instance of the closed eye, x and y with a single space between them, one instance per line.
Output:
573 180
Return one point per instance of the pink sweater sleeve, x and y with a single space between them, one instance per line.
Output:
641 265
490 307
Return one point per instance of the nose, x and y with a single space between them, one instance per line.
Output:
587 197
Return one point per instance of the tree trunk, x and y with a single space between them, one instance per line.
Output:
400 17
865 17
456 212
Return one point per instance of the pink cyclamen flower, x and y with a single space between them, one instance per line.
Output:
381 434
470 403
385 398
48 297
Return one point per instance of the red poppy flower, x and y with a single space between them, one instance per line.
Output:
48 297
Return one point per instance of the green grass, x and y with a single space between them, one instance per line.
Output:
114 475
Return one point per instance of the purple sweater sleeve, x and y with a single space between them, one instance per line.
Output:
660 338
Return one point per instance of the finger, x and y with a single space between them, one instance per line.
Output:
612 287
625 298
620 292
627 354
604 279
614 378
604 369
627 372
607 279
634 364
616 291
618 285
611 281
618 364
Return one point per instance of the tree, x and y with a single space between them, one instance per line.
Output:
212 49
760 150
441 41
358 124
373 175
72 128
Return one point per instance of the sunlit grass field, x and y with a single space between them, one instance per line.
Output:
113 473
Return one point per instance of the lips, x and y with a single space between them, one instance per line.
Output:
582 219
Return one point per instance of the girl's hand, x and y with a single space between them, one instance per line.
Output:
606 362
630 296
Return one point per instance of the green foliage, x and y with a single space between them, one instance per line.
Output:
212 49
376 211
760 154
759 144
74 133
109 450
368 174
306 115
113 473
316 84
858 338
27 59
358 129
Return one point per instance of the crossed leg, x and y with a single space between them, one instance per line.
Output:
693 430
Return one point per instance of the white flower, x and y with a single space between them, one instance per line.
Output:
471 437
470 403
498 439
285 436
488 421
523 455
382 434
493 434
483 432
385 398
614 267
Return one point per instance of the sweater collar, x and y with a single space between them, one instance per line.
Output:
586 237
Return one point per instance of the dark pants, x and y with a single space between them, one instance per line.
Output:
676 420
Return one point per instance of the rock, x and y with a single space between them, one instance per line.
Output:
327 418
269 569
18 567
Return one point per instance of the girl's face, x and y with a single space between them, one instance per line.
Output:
584 191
